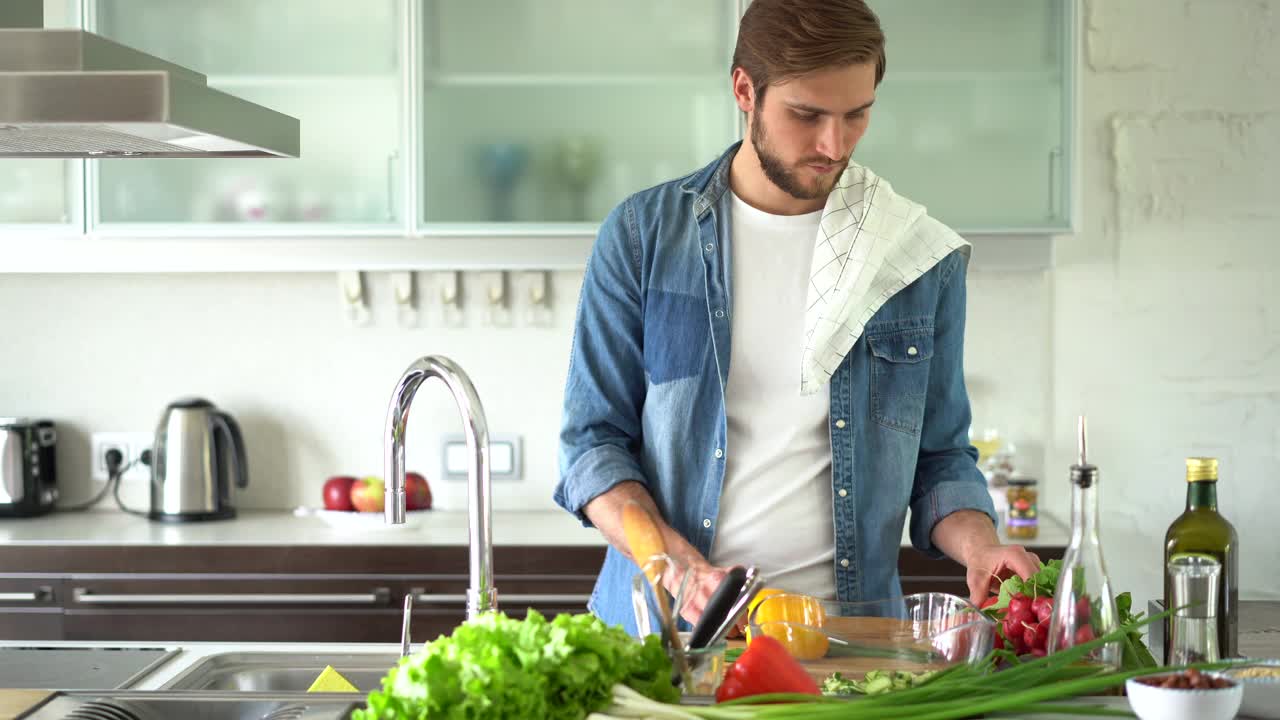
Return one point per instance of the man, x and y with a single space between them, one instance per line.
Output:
768 352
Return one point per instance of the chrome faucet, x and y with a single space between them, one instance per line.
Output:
481 596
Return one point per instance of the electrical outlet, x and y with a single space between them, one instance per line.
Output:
131 446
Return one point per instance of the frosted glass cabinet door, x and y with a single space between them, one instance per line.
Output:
39 192
336 65
43 192
972 118
538 112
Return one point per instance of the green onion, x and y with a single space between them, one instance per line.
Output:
961 691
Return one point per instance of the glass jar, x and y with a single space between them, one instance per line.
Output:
1193 629
1023 520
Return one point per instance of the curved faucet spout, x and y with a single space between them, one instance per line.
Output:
481 596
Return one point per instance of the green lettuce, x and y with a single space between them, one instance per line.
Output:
500 667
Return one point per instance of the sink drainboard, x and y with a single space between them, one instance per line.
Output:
194 706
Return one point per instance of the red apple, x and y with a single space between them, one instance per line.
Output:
417 492
367 494
337 492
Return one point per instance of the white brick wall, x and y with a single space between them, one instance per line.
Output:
1165 308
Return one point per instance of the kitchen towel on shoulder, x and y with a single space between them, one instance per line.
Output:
872 243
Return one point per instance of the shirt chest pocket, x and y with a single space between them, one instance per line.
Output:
900 377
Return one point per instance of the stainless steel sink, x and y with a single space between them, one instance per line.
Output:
138 705
280 672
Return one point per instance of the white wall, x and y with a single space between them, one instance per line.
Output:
1166 312
1159 320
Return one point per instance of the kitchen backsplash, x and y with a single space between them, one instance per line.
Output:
311 392
1160 319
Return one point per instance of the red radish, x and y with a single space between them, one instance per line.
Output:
999 643
1083 611
1084 634
1042 606
1012 629
1041 634
1020 647
1039 651
1025 617
989 602
1018 604
1029 636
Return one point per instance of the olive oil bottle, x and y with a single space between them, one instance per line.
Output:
1201 531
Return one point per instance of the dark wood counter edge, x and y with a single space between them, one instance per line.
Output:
350 560
292 559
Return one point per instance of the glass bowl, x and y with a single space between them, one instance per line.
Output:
915 633
1260 680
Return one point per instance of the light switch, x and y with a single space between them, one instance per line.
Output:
504 457
501 458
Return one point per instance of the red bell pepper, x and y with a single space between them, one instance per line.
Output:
765 667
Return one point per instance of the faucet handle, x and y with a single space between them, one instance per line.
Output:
404 625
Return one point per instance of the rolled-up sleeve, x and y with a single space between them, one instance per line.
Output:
600 431
947 477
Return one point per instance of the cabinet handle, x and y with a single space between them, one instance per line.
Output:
391 185
1054 155
549 599
379 596
43 594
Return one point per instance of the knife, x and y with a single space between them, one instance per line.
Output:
717 607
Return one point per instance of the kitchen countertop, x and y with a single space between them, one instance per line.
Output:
259 528
1259 637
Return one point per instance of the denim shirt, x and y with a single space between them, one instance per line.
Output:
644 399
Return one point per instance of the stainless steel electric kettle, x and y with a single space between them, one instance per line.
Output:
199 452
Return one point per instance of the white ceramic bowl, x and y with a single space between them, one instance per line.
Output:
1261 695
1156 703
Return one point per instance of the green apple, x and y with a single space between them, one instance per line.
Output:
367 494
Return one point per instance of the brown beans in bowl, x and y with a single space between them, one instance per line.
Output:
1190 680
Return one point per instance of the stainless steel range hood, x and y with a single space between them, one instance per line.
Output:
73 94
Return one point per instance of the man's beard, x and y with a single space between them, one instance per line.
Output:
782 176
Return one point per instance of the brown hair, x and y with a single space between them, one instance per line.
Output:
780 40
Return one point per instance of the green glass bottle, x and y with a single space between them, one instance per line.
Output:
1200 530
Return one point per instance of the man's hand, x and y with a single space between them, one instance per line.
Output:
990 565
704 578
605 512
969 538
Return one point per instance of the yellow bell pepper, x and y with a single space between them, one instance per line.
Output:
793 620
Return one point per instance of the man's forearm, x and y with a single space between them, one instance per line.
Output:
962 533
605 512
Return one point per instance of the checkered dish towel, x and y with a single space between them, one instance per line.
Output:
871 243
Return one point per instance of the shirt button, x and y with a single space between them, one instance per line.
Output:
840 424
706 523
719 453
719 313
844 562
843 492
912 351
709 247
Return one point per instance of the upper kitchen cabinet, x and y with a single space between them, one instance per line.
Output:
538 116
39 195
338 66
44 195
974 117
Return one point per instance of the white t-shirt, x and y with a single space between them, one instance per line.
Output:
776 505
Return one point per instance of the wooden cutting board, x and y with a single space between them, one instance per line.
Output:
876 633
15 702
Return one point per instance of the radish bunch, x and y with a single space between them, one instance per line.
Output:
1024 624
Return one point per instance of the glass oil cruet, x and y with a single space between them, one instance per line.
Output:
1084 608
